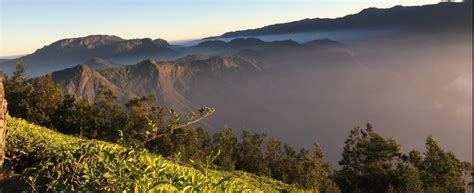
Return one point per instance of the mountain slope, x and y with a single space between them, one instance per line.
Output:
84 81
168 81
105 166
427 18
100 63
163 79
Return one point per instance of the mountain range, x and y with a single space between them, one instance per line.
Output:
177 83
427 18
104 51
67 53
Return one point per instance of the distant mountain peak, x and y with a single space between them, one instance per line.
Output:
147 65
211 43
247 41
79 68
99 63
323 42
96 59
148 61
161 42
92 41
82 81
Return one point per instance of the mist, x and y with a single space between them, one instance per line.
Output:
408 88
338 35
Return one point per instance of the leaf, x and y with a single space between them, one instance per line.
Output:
198 166
187 188
107 175
214 155
225 179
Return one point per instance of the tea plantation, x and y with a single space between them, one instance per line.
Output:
45 160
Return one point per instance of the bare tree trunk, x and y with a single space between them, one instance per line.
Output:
3 123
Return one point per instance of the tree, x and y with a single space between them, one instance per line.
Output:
321 170
44 102
141 112
273 156
415 158
205 143
250 157
440 169
17 92
408 179
468 172
290 165
108 116
226 141
316 171
75 116
36 100
186 142
368 163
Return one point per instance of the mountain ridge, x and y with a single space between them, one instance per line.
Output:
69 52
168 81
105 51
406 18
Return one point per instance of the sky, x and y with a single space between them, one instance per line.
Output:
27 25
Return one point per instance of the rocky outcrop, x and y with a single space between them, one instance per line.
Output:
3 124
170 82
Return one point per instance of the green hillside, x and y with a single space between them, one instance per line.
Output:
48 160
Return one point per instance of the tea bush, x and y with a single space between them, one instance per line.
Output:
46 160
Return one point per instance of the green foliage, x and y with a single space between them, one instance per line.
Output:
35 101
368 161
18 93
108 117
46 99
373 164
415 158
408 179
250 155
49 161
74 116
226 141
441 169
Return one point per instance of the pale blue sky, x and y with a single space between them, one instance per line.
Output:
26 25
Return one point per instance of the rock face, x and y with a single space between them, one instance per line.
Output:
83 81
3 125
170 82
167 81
